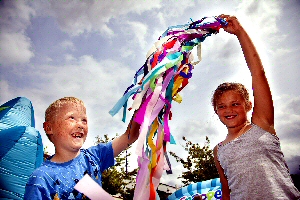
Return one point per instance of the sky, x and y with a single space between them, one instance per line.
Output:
92 49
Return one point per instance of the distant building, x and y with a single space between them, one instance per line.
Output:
117 197
165 190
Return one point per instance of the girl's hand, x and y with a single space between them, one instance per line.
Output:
233 27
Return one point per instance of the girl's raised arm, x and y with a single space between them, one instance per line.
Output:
263 110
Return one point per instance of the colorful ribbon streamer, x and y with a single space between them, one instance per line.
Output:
165 73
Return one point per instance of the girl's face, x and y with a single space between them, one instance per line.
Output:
231 109
69 128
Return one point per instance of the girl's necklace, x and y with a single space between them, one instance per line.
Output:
242 129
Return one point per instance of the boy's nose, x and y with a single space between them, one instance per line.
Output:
80 125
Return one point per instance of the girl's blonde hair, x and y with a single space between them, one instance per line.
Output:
237 87
52 109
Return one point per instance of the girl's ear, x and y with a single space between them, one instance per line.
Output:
248 106
47 128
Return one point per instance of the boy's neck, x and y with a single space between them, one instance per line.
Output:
64 157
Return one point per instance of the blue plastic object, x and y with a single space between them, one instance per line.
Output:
209 190
21 148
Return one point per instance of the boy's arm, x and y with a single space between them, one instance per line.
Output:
263 110
34 192
223 179
119 144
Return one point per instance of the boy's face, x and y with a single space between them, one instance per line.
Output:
231 109
68 128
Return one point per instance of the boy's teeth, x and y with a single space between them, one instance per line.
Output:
77 135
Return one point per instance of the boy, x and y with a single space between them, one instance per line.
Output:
66 126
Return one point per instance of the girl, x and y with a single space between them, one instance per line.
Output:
249 161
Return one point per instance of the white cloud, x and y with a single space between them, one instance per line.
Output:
69 58
260 19
15 15
78 17
260 14
287 109
176 9
172 179
287 125
162 20
48 59
5 90
15 48
140 30
127 52
85 77
15 45
68 45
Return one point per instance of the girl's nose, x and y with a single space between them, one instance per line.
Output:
229 109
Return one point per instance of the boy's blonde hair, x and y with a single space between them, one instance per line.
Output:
52 109
237 87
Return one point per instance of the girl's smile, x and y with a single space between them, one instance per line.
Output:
231 109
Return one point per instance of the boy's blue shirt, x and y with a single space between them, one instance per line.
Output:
58 179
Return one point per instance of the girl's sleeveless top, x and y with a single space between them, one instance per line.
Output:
255 167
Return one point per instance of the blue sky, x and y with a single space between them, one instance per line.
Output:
91 50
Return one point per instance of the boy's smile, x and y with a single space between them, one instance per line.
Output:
69 128
77 135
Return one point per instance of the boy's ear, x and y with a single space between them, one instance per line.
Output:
47 128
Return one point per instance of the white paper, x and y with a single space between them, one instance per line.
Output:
91 189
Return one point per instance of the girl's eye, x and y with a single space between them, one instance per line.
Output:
235 104
220 107
71 117
84 121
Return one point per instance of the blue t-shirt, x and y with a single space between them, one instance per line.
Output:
57 180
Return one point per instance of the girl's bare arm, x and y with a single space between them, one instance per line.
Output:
223 178
263 110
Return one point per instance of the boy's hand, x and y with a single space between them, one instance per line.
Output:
233 27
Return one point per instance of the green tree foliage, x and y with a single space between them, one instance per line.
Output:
46 153
199 165
116 179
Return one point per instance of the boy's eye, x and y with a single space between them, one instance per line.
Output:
84 120
235 104
71 117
